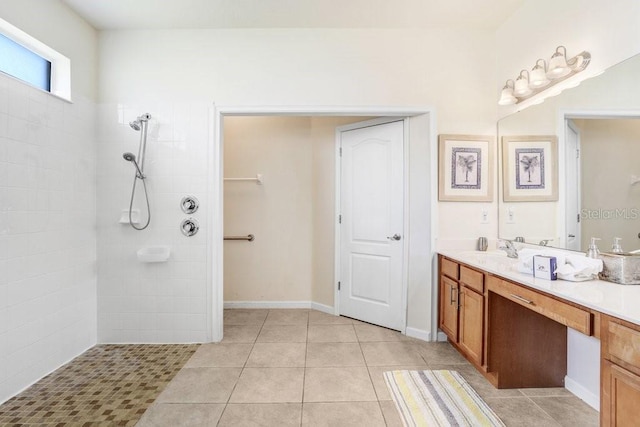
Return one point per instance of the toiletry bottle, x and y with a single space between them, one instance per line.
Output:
593 251
616 248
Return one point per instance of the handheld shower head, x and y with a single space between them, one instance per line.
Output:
129 157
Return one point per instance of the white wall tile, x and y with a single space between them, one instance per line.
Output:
164 298
47 244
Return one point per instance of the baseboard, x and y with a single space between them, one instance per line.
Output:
418 334
581 392
323 308
280 304
442 337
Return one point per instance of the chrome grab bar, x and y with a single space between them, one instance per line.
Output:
250 237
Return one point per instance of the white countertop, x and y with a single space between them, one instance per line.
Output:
621 301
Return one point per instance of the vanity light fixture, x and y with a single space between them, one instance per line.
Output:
538 76
522 85
558 66
541 77
507 98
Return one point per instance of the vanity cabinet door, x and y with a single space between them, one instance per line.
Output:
471 323
448 312
622 396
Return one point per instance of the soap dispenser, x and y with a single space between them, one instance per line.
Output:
593 251
616 248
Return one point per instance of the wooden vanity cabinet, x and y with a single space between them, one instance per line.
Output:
620 373
449 307
462 308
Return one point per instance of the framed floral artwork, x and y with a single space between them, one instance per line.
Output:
465 168
530 168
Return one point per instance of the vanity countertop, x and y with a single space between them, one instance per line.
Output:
621 301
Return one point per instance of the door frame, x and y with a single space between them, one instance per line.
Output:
215 170
569 124
405 208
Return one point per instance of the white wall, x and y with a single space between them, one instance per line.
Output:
47 205
318 68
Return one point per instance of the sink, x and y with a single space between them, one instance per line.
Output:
494 260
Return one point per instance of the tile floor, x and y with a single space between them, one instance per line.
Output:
304 367
108 385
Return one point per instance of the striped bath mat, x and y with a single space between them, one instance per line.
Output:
438 398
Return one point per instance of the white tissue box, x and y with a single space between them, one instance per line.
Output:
544 267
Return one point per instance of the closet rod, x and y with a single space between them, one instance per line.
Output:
250 237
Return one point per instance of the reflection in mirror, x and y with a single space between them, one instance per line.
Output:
598 130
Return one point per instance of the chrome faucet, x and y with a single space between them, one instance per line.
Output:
508 247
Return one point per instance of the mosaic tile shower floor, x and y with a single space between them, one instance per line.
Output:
107 385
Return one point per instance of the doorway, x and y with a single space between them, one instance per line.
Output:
423 210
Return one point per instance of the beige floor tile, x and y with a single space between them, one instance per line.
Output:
320 318
352 414
283 333
220 356
185 414
478 381
369 333
241 316
338 384
380 385
261 414
520 412
391 353
569 411
241 333
287 317
390 413
201 385
277 355
334 354
269 385
440 353
331 333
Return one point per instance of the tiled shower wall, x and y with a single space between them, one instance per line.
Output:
152 302
47 232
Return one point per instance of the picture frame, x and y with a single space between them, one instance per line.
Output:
530 168
465 168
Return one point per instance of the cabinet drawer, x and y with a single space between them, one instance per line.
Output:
559 311
624 344
472 278
449 268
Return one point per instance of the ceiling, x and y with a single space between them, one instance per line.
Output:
155 14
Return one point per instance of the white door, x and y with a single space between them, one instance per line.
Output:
572 138
371 232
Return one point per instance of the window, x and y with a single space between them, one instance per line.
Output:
33 62
18 61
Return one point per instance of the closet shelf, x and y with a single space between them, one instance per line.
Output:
258 178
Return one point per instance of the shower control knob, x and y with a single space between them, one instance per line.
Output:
189 204
189 227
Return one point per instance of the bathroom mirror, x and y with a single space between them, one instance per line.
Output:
598 129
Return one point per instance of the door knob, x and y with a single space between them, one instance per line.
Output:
572 235
394 237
